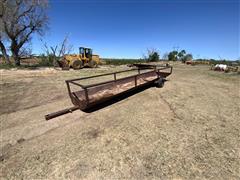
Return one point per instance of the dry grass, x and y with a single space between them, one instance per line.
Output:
189 129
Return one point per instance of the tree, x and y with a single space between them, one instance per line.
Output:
187 57
173 56
3 36
55 52
181 54
59 50
3 50
152 55
19 20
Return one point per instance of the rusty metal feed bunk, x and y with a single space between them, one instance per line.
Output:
88 96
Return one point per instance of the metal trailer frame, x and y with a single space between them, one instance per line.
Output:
87 104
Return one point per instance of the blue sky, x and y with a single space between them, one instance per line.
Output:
125 29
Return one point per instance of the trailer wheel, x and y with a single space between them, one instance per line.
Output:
77 64
159 83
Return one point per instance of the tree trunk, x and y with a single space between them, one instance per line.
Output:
4 53
16 57
15 52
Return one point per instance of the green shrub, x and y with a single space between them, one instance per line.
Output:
49 60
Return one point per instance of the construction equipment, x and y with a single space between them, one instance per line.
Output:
78 61
86 97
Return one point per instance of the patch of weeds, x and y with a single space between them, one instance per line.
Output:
7 66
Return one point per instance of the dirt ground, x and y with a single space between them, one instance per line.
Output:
189 129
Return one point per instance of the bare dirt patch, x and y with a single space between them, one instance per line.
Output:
189 129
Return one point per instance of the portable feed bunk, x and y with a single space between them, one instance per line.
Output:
85 97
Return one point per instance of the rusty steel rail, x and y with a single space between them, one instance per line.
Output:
114 73
81 99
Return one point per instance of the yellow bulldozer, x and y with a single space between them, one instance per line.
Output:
78 61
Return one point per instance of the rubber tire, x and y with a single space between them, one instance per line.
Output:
92 64
77 64
159 83
63 64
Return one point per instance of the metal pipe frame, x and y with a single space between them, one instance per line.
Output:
85 87
73 96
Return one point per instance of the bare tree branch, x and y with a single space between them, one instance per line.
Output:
54 50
